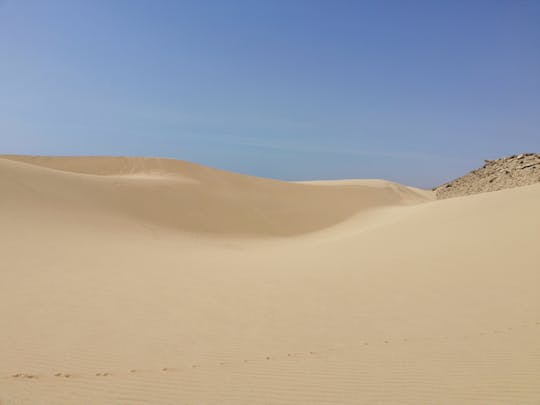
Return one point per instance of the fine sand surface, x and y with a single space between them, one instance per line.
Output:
130 280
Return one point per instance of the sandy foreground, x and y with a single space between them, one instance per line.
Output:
130 280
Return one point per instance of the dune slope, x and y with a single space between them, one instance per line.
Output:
187 197
158 281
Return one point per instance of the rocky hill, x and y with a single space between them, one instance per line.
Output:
506 172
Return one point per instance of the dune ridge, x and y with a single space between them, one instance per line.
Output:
190 197
132 280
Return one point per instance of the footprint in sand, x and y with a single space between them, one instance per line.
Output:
62 375
24 375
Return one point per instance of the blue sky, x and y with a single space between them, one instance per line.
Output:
413 91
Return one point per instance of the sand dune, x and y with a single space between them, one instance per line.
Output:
129 280
188 197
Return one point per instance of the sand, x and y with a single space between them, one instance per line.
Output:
155 281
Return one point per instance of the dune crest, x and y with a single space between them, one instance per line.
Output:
189 197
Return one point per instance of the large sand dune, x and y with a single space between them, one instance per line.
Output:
130 280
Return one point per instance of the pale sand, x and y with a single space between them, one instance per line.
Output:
159 281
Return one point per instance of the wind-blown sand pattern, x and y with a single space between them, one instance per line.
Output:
130 280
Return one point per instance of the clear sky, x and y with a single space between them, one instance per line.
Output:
413 91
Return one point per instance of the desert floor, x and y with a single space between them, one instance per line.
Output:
131 280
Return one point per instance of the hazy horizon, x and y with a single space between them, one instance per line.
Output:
417 93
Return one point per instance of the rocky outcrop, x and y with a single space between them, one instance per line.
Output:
506 172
